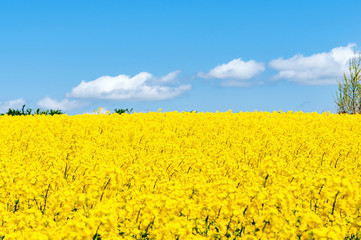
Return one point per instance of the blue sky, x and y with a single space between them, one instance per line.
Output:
175 55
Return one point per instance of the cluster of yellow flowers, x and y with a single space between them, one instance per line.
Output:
173 175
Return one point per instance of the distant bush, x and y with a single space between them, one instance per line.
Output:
29 111
120 111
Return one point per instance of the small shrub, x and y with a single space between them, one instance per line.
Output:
120 111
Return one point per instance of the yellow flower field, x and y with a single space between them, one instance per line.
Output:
182 175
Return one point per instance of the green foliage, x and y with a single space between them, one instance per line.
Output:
120 111
348 96
97 236
29 111
356 236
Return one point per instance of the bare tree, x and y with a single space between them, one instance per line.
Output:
348 96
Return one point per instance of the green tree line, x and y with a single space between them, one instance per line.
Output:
29 111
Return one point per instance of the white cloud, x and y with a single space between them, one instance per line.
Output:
143 86
170 77
13 104
317 69
64 104
236 69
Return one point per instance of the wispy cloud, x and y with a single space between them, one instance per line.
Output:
64 104
14 104
143 86
317 69
235 71
170 77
